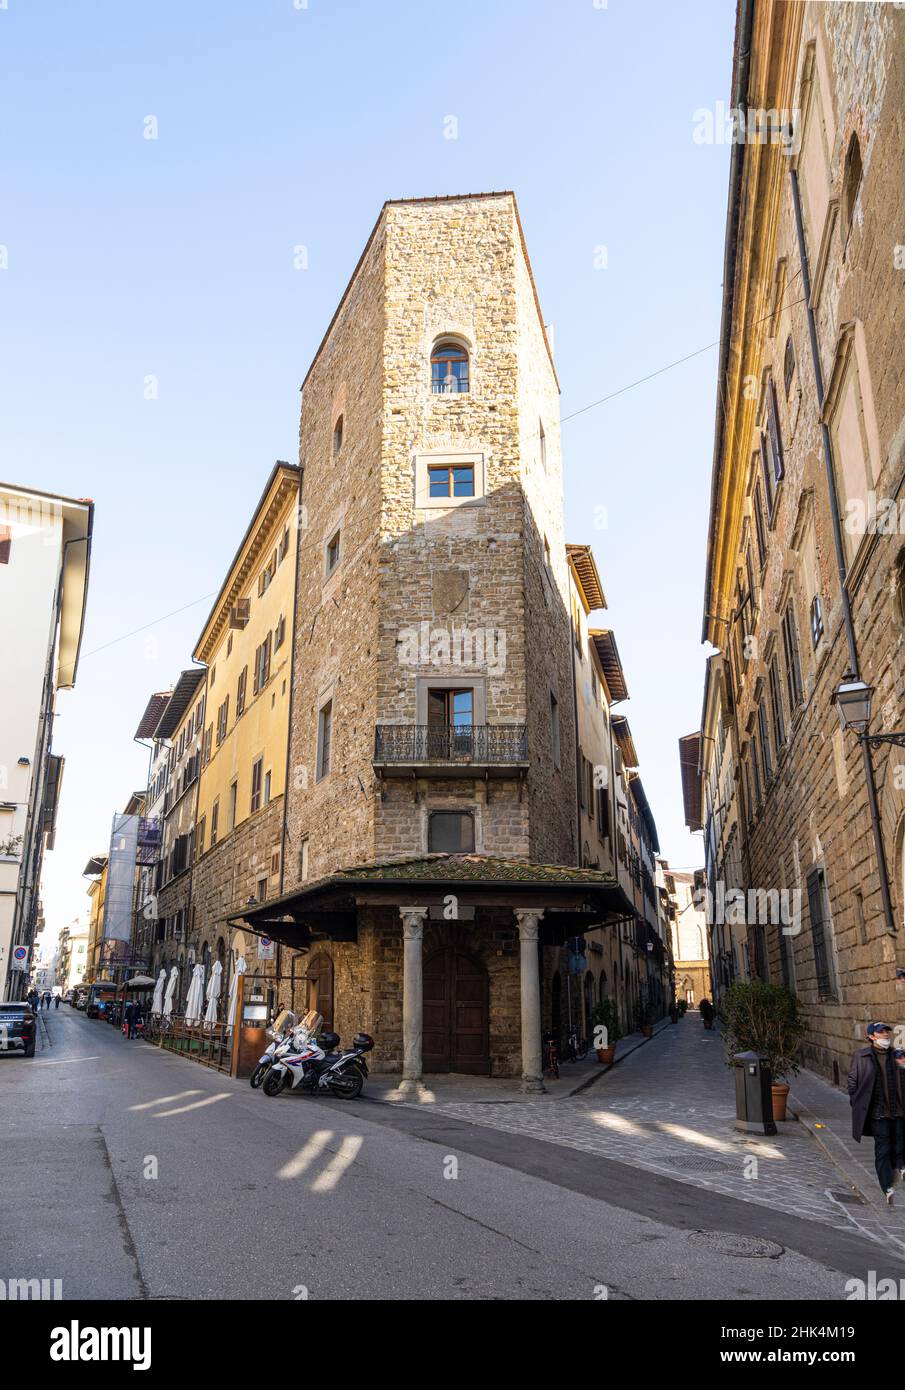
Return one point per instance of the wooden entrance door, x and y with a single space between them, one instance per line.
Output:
456 1033
320 987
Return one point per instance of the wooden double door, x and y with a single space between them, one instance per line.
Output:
456 1036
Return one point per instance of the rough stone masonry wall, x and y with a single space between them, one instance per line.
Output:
460 269
336 628
815 813
450 270
553 797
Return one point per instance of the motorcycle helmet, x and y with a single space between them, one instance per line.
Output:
328 1041
364 1041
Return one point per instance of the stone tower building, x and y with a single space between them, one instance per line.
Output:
432 756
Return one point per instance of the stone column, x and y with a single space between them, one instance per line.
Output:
532 1051
412 994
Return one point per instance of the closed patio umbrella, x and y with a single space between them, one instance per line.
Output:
195 1002
157 1000
240 969
213 992
171 990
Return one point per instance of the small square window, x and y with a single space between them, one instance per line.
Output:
333 553
451 832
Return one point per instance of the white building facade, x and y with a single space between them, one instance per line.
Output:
45 545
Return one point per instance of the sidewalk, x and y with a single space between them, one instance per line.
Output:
667 1110
824 1112
574 1078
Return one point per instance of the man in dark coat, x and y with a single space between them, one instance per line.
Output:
877 1095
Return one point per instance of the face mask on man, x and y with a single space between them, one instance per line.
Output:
883 1042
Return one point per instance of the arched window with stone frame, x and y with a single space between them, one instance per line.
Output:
450 364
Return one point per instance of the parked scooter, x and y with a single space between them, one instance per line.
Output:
281 1031
319 1069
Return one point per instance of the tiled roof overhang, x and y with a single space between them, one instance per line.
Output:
581 558
608 655
623 736
152 715
183 694
571 899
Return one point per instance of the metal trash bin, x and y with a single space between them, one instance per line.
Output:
753 1097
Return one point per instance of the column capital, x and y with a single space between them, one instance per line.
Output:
528 921
413 922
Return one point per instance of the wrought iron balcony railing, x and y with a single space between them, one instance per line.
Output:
485 744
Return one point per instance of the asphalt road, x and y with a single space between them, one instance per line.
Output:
129 1173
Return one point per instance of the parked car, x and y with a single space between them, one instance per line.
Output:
17 1027
81 999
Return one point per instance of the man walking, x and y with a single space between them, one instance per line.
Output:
878 1105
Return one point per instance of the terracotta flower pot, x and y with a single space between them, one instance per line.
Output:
647 1030
780 1090
606 1054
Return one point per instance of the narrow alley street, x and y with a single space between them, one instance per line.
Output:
190 1186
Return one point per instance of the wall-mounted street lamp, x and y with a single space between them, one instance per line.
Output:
853 701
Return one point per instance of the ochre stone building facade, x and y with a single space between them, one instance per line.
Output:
806 560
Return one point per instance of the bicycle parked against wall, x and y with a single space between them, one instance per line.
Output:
574 1048
550 1056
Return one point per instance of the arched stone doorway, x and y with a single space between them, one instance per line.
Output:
320 987
456 1035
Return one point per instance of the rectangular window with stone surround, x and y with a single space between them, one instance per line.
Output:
448 479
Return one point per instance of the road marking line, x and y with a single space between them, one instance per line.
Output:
60 1061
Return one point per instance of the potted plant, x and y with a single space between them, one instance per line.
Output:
764 1018
606 1015
644 1020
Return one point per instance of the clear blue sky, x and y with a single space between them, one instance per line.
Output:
173 257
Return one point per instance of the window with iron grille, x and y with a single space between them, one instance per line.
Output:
818 907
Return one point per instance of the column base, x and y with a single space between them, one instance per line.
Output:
410 1088
533 1086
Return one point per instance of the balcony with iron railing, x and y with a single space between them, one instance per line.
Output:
493 750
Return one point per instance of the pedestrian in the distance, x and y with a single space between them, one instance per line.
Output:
877 1095
674 1012
47 999
706 1009
56 1001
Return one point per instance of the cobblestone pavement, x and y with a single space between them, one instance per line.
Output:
669 1109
